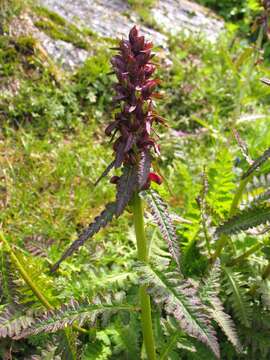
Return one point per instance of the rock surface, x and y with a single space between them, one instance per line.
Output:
114 18
66 54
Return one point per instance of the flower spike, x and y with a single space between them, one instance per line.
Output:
134 93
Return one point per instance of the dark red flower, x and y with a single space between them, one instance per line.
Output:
134 92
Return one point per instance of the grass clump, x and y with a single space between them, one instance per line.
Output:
42 101
25 45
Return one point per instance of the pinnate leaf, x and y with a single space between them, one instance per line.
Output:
162 218
181 300
245 220
100 222
257 163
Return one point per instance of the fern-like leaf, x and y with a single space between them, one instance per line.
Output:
245 220
67 346
209 292
257 163
161 216
256 191
130 337
225 322
13 322
207 230
7 279
238 297
265 196
126 186
48 352
175 338
37 245
180 300
100 222
55 320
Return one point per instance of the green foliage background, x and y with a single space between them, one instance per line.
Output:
52 149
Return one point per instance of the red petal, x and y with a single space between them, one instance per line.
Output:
155 178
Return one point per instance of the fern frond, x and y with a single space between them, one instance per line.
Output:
55 320
25 275
36 269
130 337
257 163
257 182
236 290
225 322
209 292
257 191
221 188
37 245
13 322
175 339
47 353
245 220
206 232
210 285
67 346
161 216
180 299
265 196
99 222
7 279
203 233
97 350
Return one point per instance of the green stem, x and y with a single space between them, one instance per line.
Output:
238 196
29 281
24 274
266 272
142 249
246 254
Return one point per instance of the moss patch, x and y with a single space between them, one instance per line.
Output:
59 29
15 55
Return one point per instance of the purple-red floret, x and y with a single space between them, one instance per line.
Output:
135 91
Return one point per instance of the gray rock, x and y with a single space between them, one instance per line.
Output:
114 18
110 17
178 15
60 51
